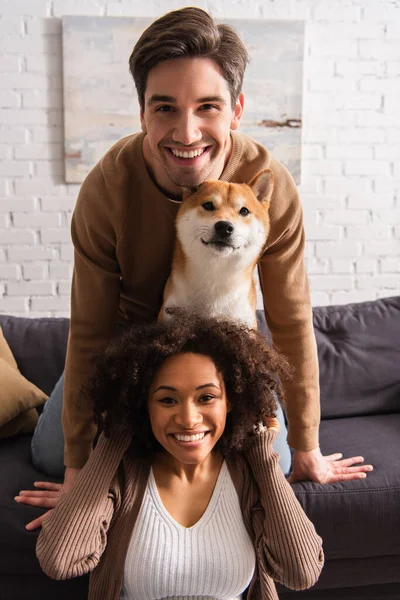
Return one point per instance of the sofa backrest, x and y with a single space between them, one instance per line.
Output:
39 347
358 352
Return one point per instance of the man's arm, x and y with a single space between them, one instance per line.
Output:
288 313
95 297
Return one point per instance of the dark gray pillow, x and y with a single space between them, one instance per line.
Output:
39 347
359 357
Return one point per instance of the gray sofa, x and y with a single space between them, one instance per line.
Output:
359 521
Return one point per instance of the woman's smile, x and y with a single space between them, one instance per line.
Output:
190 439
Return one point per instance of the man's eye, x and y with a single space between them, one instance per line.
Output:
244 211
163 108
208 206
207 106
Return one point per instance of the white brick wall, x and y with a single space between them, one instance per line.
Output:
351 145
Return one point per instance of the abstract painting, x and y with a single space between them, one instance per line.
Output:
100 103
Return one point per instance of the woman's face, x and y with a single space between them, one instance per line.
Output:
188 406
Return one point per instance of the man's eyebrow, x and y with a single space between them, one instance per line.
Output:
161 98
207 99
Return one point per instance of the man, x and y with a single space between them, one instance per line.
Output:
188 73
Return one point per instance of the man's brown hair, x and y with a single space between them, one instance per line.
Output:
189 33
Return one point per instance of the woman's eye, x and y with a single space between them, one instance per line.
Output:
207 398
244 211
208 206
167 400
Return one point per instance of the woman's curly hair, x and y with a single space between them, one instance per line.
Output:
125 370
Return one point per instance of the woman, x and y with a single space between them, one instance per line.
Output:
183 496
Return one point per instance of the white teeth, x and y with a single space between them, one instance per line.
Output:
189 438
191 154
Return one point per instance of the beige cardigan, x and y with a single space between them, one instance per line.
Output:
91 527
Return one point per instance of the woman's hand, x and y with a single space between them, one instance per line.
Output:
272 423
268 423
45 498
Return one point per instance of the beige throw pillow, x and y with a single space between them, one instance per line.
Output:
5 351
18 396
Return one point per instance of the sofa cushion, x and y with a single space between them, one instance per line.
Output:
39 347
358 351
18 397
358 518
20 573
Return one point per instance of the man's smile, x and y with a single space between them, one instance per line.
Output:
189 157
187 153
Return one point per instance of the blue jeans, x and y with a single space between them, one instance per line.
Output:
48 438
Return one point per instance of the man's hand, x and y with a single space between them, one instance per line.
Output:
48 496
313 466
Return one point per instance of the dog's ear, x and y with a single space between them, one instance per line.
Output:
262 185
187 191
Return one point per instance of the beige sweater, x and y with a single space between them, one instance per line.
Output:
90 529
123 235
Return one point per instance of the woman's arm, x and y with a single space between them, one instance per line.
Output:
74 536
288 547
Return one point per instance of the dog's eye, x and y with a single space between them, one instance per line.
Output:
208 206
244 211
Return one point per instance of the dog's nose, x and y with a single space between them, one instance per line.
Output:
224 228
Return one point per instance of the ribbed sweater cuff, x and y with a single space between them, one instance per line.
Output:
259 448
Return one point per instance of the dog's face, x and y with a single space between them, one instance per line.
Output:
226 219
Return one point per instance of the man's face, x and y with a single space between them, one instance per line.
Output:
187 117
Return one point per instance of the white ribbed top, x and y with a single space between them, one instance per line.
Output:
212 560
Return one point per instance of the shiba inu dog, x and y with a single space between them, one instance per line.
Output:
221 231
